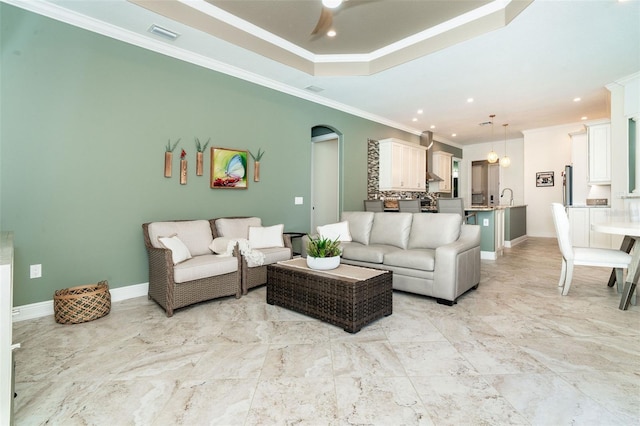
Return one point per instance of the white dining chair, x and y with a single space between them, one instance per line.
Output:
584 256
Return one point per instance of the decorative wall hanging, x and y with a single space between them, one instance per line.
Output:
183 167
199 155
544 179
168 157
228 168
256 164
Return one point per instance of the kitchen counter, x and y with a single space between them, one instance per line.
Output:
500 226
488 208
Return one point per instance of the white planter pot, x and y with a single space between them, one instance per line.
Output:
323 263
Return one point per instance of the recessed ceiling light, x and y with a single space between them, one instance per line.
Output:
453 135
420 111
331 4
331 33
584 118
414 119
432 126
577 99
469 100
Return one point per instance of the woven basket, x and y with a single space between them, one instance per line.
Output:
81 304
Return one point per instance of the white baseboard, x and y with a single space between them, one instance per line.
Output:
43 309
488 255
509 244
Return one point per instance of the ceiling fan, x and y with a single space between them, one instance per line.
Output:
329 9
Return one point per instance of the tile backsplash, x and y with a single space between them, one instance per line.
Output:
373 173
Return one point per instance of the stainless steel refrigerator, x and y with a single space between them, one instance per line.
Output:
567 185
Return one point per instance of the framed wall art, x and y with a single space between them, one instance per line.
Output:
544 178
228 168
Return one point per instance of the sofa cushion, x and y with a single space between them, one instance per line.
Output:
366 253
432 230
179 252
391 229
266 236
207 265
236 227
422 259
359 225
335 231
195 234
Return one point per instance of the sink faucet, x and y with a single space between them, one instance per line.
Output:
511 199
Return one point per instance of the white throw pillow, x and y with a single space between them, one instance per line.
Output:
266 236
179 252
220 245
333 231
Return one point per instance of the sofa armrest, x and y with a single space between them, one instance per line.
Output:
457 265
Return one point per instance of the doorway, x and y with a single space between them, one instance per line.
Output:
325 179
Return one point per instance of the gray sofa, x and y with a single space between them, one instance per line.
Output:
432 254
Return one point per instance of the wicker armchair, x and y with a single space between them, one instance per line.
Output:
256 275
171 295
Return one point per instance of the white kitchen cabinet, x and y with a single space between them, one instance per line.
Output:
403 166
600 154
599 239
442 167
580 219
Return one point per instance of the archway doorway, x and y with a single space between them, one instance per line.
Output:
325 176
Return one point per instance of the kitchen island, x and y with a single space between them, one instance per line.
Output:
500 226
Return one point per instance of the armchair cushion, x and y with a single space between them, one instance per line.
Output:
195 234
220 245
179 252
236 227
208 265
335 231
275 254
266 236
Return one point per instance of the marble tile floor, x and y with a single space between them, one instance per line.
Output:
514 352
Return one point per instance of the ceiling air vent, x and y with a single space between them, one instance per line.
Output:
314 89
163 32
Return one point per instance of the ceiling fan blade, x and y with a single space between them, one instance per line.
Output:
324 23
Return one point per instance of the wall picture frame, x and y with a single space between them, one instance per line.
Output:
544 179
228 168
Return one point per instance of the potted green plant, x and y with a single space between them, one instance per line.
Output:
323 253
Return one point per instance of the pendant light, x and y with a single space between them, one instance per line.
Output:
493 156
505 161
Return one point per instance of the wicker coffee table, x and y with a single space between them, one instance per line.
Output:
349 297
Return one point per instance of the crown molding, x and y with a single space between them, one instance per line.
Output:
66 16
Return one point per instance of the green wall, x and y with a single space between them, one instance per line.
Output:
83 126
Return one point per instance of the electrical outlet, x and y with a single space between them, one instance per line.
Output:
298 200
485 222
35 271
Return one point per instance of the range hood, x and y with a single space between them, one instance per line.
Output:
426 139
432 177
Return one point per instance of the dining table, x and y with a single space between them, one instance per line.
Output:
631 232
